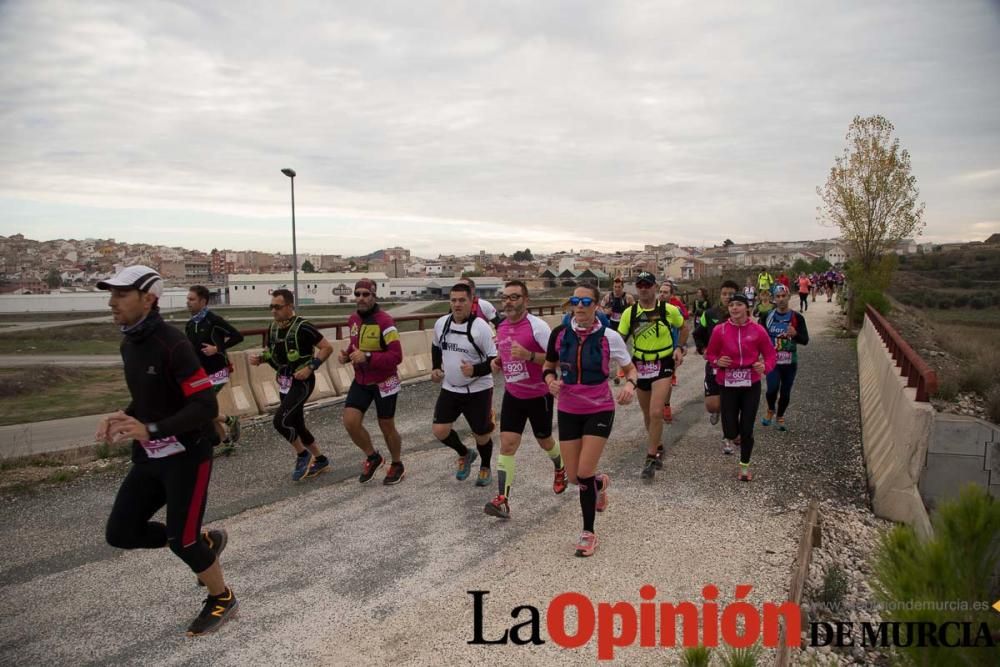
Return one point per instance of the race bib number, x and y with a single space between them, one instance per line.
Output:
515 370
284 383
648 369
784 357
162 448
737 377
219 377
389 387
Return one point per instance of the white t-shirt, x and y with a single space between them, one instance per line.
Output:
456 348
488 310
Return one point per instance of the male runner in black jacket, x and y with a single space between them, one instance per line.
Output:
169 422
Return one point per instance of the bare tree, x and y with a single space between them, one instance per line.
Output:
871 194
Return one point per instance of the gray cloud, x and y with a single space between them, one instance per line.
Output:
451 126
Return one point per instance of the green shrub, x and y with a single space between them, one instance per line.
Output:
958 564
742 657
834 586
977 377
696 656
948 387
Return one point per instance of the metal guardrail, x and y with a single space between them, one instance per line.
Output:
918 374
419 319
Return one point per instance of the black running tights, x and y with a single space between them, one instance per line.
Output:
739 412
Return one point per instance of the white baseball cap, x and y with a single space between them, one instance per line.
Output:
137 277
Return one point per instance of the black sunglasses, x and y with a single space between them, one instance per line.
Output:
362 294
277 306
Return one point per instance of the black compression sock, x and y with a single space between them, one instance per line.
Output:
375 456
455 443
485 454
588 502
304 454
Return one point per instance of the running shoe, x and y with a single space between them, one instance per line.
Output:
713 418
233 422
395 474
369 467
781 424
602 495
559 482
301 467
673 381
319 465
498 507
744 473
727 447
465 464
216 540
485 475
586 545
668 416
766 421
217 610
649 467
659 458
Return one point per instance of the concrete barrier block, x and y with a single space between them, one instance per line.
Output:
553 320
958 434
416 355
236 397
342 375
946 474
324 387
263 385
991 462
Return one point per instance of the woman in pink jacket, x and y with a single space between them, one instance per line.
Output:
741 353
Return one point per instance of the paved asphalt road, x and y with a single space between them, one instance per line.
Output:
332 572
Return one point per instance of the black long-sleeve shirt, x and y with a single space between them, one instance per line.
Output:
216 331
169 387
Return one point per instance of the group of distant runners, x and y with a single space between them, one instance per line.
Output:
551 376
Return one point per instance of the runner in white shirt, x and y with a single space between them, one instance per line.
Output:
462 352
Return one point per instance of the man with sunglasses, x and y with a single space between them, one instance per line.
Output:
375 352
522 340
295 349
667 295
461 356
658 338
613 304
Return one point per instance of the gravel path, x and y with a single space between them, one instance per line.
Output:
332 572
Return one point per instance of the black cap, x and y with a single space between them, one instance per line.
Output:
645 277
741 298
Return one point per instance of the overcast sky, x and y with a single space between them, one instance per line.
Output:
459 126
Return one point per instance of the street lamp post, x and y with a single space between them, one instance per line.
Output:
290 173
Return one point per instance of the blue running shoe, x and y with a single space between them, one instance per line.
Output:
766 421
301 467
485 475
465 464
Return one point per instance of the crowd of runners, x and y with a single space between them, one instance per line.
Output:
555 379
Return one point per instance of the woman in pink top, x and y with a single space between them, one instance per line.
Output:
577 364
741 353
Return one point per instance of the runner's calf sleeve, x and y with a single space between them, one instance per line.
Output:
588 501
485 453
455 442
556 455
505 473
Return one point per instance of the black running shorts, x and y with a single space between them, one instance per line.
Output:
477 408
360 397
666 371
516 412
574 427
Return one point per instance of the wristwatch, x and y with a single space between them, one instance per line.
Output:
152 428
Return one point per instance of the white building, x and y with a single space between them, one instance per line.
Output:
835 255
255 289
